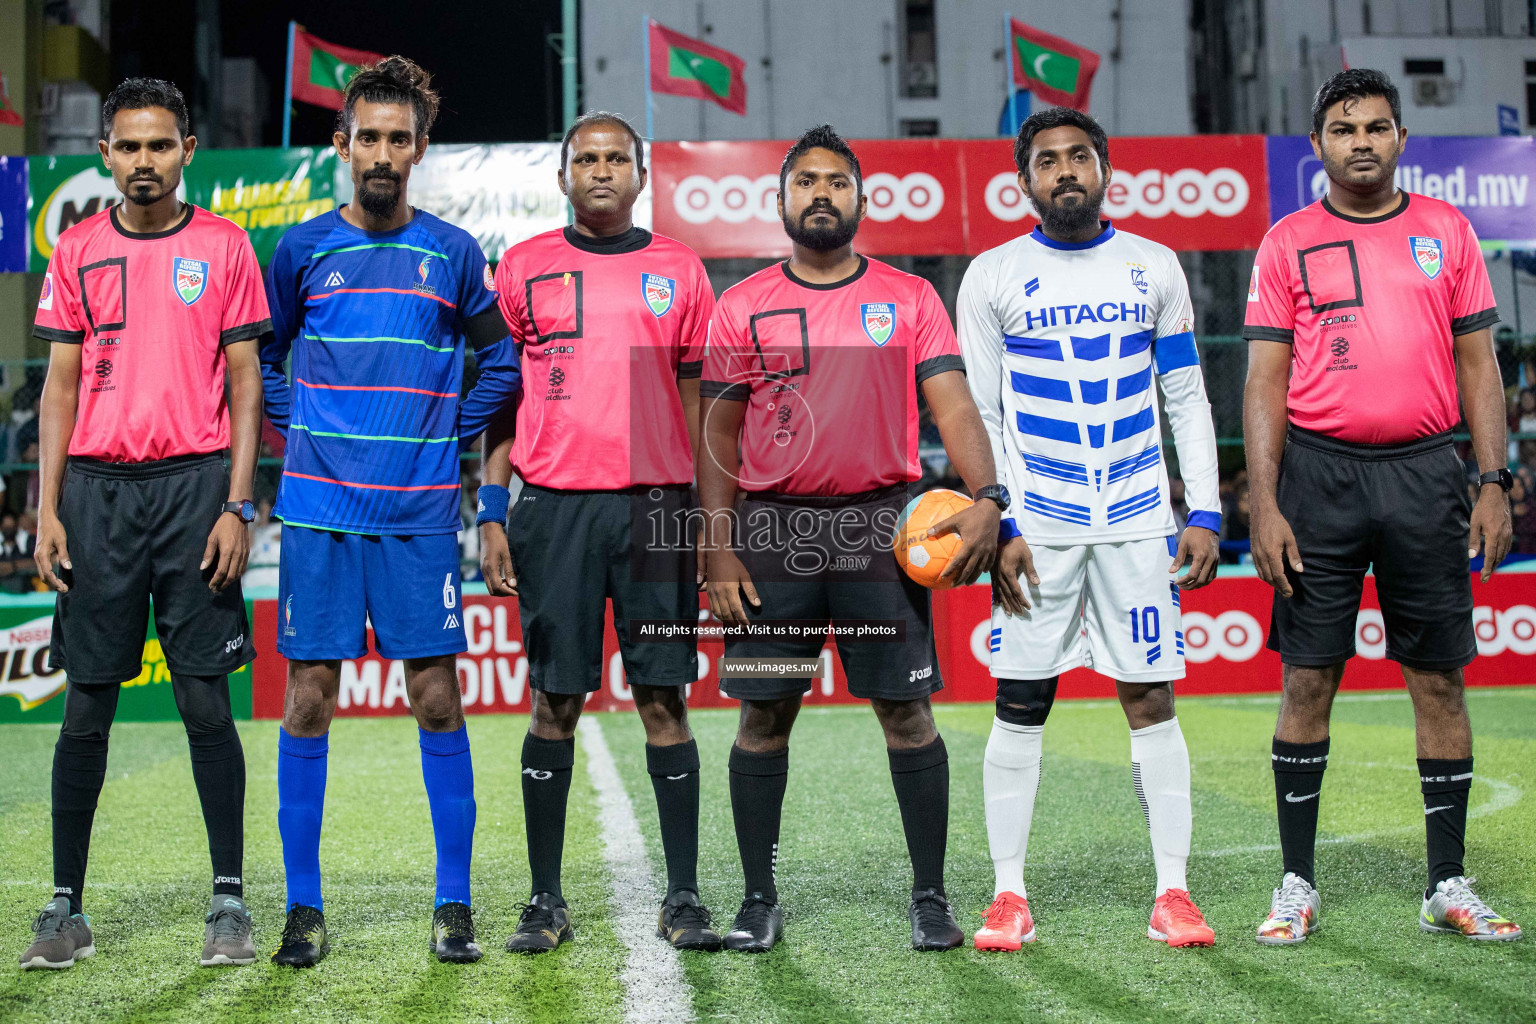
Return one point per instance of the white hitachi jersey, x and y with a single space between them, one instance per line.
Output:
1061 345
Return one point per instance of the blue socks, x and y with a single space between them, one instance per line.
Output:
300 806
450 779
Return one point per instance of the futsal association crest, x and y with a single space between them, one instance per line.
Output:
879 321
658 292
191 278
1427 254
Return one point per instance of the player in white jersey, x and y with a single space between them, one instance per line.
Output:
1064 332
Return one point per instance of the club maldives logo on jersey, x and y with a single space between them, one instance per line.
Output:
1427 254
191 278
658 292
45 297
879 320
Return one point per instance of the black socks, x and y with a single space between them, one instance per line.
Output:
546 787
921 779
1445 785
674 775
757 804
1298 785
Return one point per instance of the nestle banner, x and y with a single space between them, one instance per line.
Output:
948 197
1225 626
1487 178
31 690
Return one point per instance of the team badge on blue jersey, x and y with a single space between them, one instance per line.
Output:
422 270
190 278
658 292
1427 254
879 321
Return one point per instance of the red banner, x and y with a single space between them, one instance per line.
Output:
1225 626
933 197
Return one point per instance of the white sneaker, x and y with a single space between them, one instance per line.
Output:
1454 907
1293 913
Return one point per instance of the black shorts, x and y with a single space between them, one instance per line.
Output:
137 531
826 560
574 550
1400 510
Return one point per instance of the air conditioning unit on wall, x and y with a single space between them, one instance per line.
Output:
1433 91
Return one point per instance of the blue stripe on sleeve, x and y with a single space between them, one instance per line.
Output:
1174 351
1205 520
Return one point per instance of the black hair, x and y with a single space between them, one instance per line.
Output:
1355 84
391 80
602 117
140 93
823 136
1057 117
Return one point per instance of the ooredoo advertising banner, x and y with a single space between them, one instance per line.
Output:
721 198
1224 625
1195 192
947 197
1487 178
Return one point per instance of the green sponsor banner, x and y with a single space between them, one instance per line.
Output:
29 692
265 191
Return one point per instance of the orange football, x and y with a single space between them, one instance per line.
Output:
924 558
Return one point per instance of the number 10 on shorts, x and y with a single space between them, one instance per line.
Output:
1145 627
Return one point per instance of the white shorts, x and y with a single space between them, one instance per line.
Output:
1109 607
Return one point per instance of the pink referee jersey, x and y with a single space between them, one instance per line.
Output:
604 327
1370 308
829 374
153 313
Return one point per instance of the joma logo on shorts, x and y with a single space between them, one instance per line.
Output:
231 646
919 673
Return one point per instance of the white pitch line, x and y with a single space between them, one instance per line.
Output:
655 991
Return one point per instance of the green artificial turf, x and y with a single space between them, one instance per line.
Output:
843 878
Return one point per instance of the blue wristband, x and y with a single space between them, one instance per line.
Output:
493 505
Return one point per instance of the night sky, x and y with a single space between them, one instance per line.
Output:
487 60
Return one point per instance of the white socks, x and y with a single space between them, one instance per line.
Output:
1160 769
1010 776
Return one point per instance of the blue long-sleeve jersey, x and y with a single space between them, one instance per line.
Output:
377 323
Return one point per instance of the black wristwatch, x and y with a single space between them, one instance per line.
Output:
994 492
244 509
1503 477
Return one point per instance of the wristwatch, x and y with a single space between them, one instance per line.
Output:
994 492
1503 477
244 509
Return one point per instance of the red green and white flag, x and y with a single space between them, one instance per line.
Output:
1057 72
8 113
321 70
684 66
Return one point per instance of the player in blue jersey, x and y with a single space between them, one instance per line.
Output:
376 302
1069 335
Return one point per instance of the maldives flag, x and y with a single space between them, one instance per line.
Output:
321 70
684 66
1059 73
